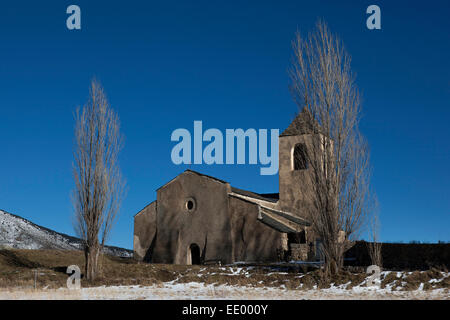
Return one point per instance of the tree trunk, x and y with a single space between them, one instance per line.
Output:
91 254
334 261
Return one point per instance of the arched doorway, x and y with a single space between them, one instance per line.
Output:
193 256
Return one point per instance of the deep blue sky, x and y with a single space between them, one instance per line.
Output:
165 64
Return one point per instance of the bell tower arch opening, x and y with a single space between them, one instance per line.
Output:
299 157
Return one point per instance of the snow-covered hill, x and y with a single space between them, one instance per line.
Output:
17 232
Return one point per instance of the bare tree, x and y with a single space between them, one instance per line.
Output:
337 154
99 187
374 245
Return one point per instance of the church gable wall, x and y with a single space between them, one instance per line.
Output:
193 209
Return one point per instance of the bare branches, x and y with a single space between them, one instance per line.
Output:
99 187
322 83
374 245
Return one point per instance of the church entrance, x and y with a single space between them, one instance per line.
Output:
193 254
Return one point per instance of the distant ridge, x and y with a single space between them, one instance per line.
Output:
19 233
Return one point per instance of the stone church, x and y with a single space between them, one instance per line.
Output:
198 219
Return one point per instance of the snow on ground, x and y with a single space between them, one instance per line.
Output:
176 289
195 290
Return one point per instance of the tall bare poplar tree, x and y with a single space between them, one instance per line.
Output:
338 158
99 187
374 245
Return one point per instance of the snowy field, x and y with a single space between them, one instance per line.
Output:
123 279
195 290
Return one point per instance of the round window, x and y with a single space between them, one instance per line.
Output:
190 204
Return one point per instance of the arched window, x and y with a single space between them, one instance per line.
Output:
300 157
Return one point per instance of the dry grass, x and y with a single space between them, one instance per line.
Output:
17 271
